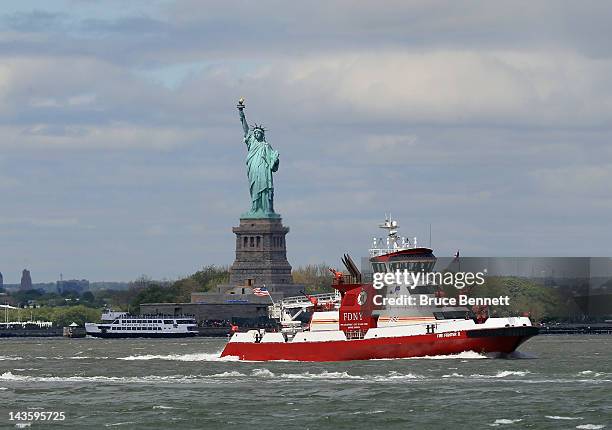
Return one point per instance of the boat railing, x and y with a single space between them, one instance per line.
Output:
301 302
156 316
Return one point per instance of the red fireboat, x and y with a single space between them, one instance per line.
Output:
350 324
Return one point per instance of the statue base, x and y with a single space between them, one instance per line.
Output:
261 254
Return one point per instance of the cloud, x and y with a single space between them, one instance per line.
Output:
122 152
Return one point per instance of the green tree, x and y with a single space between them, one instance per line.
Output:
316 277
154 293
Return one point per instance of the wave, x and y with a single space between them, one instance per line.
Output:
453 375
557 417
255 373
8 376
322 375
591 372
262 372
181 357
503 374
504 421
590 426
232 374
465 355
10 358
334 375
396 375
125 423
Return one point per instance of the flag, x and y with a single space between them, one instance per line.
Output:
261 292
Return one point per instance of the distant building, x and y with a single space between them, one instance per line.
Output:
1 281
72 286
26 280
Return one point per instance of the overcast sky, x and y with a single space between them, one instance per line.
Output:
121 151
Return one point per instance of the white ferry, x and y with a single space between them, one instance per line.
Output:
123 325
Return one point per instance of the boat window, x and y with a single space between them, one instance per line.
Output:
379 267
184 322
167 321
422 289
467 314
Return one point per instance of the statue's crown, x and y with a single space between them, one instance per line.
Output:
259 127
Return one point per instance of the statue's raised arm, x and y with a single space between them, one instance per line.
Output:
245 125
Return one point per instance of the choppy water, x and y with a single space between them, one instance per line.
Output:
562 382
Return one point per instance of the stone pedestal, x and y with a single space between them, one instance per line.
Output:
261 255
261 260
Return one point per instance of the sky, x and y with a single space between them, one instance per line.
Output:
121 150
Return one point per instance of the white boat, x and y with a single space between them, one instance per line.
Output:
123 325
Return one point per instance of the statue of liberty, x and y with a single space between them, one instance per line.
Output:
261 161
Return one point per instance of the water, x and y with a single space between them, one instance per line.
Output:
558 382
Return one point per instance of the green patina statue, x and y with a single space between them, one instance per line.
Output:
262 160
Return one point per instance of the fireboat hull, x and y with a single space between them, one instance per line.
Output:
497 340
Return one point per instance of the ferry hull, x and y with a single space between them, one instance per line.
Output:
499 340
142 335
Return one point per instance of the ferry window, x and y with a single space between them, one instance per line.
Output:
379 267
167 321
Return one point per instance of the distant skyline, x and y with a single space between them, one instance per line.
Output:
121 151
